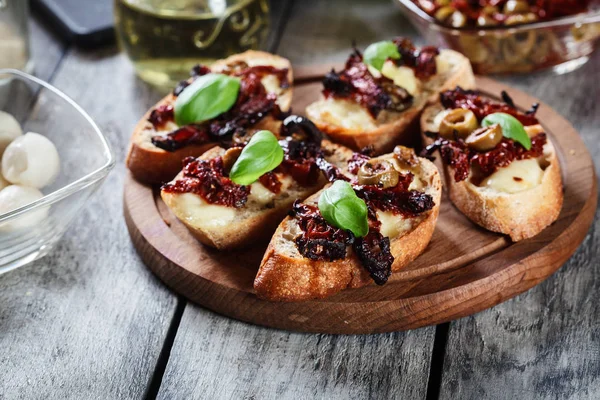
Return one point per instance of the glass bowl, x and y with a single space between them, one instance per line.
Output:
29 232
563 43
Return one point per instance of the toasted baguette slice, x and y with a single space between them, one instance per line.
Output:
228 227
351 124
520 215
150 164
286 275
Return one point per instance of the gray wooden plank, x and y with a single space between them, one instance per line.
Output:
89 320
47 50
216 357
544 344
219 358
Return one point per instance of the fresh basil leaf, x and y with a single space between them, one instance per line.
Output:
511 128
207 97
261 155
342 208
377 53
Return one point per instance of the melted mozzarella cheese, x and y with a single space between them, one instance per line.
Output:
271 84
260 194
442 65
392 225
438 119
344 113
402 76
533 130
193 210
516 177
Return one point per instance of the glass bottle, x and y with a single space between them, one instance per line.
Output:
14 35
165 38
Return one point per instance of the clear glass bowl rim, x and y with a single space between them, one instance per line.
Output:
584 18
79 184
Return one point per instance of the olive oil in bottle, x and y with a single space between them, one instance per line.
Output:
165 38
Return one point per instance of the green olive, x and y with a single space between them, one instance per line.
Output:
519 19
459 120
378 172
443 13
516 7
486 138
541 50
443 2
230 157
458 19
473 47
523 42
406 156
486 20
489 10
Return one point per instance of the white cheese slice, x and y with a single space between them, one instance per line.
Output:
392 225
193 210
272 84
343 113
442 65
260 194
437 121
402 76
516 177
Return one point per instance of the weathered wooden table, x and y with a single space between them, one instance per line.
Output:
90 321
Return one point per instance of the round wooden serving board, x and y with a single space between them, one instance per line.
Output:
465 269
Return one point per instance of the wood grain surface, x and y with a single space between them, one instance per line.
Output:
251 362
88 321
463 270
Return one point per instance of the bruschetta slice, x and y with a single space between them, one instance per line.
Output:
158 144
226 215
365 106
507 185
309 258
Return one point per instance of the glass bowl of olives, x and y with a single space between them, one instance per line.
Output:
511 36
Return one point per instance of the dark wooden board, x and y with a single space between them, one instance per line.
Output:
464 270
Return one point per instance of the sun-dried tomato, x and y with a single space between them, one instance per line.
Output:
300 161
182 137
271 182
319 240
355 82
356 161
207 179
482 107
506 152
375 255
161 115
398 199
421 61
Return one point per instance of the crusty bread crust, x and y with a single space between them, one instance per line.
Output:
153 165
520 215
286 275
393 128
251 228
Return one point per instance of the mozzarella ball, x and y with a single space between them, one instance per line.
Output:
3 182
31 160
9 130
15 196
